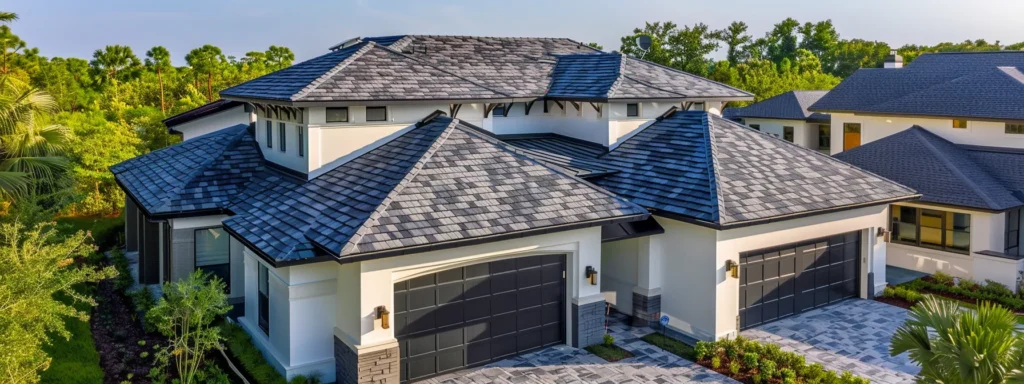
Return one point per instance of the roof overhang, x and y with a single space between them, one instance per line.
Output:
923 115
200 112
345 103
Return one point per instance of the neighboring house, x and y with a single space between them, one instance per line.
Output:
411 205
210 117
951 126
786 116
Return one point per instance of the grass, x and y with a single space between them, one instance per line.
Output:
609 352
671 345
239 346
75 360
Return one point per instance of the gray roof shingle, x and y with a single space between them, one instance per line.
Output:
944 172
787 106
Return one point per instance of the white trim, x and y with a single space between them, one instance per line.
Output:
588 299
647 292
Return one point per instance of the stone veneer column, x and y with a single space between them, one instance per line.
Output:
376 365
588 323
646 308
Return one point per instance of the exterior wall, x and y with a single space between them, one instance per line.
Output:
619 266
804 134
998 269
290 157
183 252
131 225
214 122
688 277
622 127
986 133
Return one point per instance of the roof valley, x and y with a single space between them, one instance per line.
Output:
713 176
950 167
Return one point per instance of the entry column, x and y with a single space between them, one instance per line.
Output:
647 292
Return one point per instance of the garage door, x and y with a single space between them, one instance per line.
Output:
477 314
783 281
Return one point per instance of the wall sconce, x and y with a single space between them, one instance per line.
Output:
591 274
382 315
733 268
882 232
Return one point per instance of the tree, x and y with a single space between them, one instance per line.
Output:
595 45
693 45
185 315
39 268
736 38
279 58
8 17
96 145
781 42
855 54
112 59
660 52
158 59
10 44
207 60
955 345
31 154
822 40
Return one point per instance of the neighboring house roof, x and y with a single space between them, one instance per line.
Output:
979 85
198 113
201 174
438 185
943 172
787 106
703 168
418 67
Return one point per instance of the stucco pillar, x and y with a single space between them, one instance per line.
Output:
647 293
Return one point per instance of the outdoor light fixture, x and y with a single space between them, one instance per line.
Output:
733 268
382 314
882 232
591 274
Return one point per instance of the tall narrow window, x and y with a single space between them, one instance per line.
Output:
633 110
263 280
300 143
213 253
270 134
280 136
787 134
1012 232
824 136
960 124
337 115
376 114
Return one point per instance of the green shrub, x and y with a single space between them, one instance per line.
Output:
996 288
124 279
751 360
942 278
734 367
787 374
993 292
732 351
968 284
702 350
768 369
239 346
716 362
608 340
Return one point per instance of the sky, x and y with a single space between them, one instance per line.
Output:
77 28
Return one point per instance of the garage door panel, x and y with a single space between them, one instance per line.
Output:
528 297
551 293
529 340
552 333
449 314
751 295
787 286
551 313
551 274
420 367
503 324
476 287
478 353
503 303
529 277
449 293
419 320
477 309
528 318
505 282
451 275
478 270
401 301
821 296
504 346
507 265
420 345
770 290
787 306
754 272
451 359
421 298
422 281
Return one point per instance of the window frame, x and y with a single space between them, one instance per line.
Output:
385 108
263 298
957 122
825 141
1014 128
498 111
1011 243
636 109
300 142
195 253
945 242
788 131
348 116
269 133
282 133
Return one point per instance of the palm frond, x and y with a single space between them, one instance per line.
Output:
14 184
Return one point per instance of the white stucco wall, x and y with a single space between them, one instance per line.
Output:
290 157
619 263
622 127
688 276
986 133
804 134
214 122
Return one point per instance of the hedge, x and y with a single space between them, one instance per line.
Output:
740 359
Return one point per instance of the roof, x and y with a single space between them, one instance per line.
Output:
200 112
787 106
703 168
972 85
438 185
418 67
201 174
944 172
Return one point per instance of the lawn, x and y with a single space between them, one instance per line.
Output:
610 353
107 232
669 344
74 360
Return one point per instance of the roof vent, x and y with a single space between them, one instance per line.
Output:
894 60
346 43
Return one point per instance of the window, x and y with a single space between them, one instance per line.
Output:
1012 232
270 134
697 107
213 253
498 111
787 134
337 115
960 124
263 280
824 136
633 110
851 136
756 126
929 228
280 136
300 143
376 114
1015 128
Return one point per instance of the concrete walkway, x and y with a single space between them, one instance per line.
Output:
849 336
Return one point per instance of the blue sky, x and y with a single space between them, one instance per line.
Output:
77 28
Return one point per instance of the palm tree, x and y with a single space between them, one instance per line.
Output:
30 155
955 345
7 17
159 58
111 59
206 59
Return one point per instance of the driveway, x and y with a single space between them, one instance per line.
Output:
564 364
849 336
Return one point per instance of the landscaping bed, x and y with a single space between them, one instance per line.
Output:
964 290
126 350
671 345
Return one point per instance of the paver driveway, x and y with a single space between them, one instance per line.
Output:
849 336
564 364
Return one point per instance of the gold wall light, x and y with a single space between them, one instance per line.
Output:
733 268
382 315
591 274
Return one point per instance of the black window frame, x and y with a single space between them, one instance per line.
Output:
347 115
1012 239
385 109
195 256
270 134
788 133
300 142
636 110
917 224
756 127
263 299
282 133
1014 129
825 141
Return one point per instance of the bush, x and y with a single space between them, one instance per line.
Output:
968 284
124 278
185 315
750 360
734 367
239 346
996 288
716 362
902 293
942 278
608 340
994 292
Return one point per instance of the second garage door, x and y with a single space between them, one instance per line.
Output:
783 281
477 314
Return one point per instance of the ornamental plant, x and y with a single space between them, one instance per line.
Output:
185 315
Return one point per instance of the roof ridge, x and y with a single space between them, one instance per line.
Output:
337 67
201 168
946 162
713 175
372 220
618 78
426 63
400 44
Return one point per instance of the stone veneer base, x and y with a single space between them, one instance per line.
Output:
588 324
379 366
646 310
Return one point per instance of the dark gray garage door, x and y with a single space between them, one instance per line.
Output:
477 314
786 280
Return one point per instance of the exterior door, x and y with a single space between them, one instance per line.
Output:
783 281
851 136
478 314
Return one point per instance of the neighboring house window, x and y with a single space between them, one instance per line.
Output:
213 253
633 110
787 134
376 114
930 228
824 136
280 136
300 143
337 115
960 124
851 136
697 107
498 111
270 134
263 280
756 126
1012 232
1015 128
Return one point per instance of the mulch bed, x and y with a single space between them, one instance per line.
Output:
895 301
117 331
